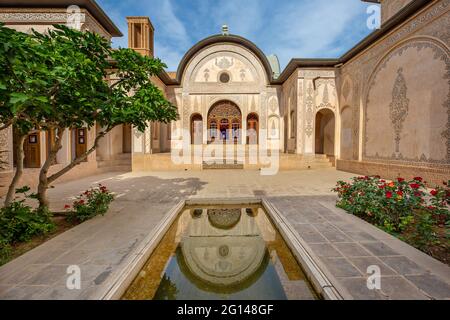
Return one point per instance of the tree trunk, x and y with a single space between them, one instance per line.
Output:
19 171
79 159
43 180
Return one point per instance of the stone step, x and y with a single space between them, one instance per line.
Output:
223 165
126 168
114 162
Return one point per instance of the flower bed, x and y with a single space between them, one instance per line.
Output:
89 204
23 228
405 209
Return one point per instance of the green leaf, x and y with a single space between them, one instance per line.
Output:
42 99
18 97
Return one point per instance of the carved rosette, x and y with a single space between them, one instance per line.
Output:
399 106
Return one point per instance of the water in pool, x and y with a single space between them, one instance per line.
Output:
222 252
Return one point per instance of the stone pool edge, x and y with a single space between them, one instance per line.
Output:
321 281
117 286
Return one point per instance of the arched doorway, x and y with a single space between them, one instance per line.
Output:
325 132
252 128
196 129
224 122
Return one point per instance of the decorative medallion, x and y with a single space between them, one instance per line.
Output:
399 106
224 63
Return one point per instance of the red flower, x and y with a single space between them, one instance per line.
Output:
400 179
382 186
389 194
431 207
434 193
400 193
414 186
418 178
418 194
81 202
66 206
383 181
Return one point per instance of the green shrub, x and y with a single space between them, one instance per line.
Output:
89 204
19 222
404 208
5 251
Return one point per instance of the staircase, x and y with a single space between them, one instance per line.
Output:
287 162
222 165
121 162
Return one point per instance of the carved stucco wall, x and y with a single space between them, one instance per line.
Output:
25 19
349 113
391 7
409 93
247 87
347 138
317 91
407 58
291 113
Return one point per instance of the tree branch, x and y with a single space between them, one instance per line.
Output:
80 158
6 125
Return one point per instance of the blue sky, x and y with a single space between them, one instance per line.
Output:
287 28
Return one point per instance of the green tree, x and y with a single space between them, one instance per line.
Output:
23 89
87 83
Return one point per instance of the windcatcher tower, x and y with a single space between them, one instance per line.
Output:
141 35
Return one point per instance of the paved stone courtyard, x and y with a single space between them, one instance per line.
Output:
343 245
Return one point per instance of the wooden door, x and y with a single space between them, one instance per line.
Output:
80 141
32 151
126 148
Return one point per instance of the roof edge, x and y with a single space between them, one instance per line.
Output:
90 5
219 38
389 25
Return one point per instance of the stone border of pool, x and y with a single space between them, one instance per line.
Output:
119 284
322 282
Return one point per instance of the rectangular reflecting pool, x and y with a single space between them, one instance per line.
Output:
220 253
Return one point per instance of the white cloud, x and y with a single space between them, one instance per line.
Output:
288 28
168 55
170 23
312 28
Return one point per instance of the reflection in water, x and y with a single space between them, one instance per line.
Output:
221 253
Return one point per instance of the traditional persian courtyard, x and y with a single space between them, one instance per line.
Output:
343 245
